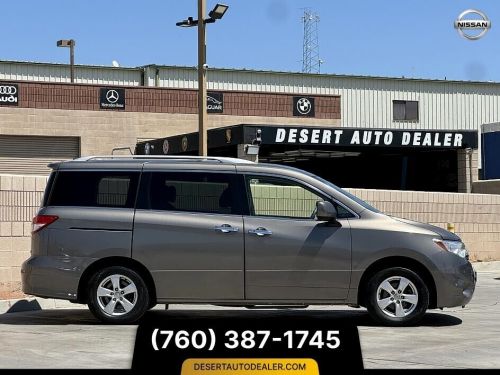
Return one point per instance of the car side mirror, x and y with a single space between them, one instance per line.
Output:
325 211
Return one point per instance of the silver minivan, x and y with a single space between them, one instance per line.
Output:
122 234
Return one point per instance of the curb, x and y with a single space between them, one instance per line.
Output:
493 266
34 304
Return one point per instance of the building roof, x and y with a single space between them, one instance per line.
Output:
262 71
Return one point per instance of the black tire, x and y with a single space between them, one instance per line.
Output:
400 311
138 302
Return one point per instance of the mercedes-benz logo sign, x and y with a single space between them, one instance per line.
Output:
466 25
304 106
112 96
8 90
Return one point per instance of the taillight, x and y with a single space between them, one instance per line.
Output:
41 221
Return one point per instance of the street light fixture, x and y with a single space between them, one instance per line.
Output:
218 12
187 23
71 44
215 14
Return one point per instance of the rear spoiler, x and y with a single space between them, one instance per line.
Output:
54 165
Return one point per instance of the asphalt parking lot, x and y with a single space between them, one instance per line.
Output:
454 338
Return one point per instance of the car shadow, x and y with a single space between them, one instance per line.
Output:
350 317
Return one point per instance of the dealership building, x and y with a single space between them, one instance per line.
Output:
412 147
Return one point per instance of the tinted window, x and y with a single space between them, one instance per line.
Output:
48 188
278 197
218 193
94 189
405 110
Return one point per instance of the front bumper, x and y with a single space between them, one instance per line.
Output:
52 277
455 285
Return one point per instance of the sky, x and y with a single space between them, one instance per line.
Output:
360 37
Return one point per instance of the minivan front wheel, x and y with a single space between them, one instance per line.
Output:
397 296
118 295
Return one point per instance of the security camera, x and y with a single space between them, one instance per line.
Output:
205 66
258 137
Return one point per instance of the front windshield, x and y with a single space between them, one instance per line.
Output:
344 192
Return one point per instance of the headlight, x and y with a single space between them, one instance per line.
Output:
455 247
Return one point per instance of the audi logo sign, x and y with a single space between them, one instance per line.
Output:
9 94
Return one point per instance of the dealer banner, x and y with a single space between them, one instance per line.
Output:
369 137
249 343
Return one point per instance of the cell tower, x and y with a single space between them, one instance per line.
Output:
311 63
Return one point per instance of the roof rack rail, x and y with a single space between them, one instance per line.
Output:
163 157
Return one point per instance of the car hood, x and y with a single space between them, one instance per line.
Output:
446 235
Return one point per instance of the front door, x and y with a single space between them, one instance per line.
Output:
188 232
289 255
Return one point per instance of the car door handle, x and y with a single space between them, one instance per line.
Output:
260 232
226 228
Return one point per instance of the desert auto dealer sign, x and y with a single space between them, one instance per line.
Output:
370 137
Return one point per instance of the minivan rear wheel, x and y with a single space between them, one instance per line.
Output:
118 295
397 297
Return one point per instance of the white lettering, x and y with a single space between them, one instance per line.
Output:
355 138
416 139
377 136
405 141
315 136
436 140
327 136
458 140
292 136
367 137
338 133
10 99
388 137
447 140
304 135
427 140
280 135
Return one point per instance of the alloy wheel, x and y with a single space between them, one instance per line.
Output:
397 297
117 295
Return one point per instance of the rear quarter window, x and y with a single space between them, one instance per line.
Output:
48 188
94 189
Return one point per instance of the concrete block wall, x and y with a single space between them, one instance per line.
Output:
100 131
476 218
20 197
467 173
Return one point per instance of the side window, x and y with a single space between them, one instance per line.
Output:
94 189
48 188
270 196
282 198
113 191
217 193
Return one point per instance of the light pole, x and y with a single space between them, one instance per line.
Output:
215 14
71 44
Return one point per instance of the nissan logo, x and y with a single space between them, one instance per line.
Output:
8 90
112 96
480 24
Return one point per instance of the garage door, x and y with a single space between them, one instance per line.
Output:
31 154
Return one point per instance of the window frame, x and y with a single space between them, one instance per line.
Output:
304 185
405 102
143 201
